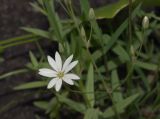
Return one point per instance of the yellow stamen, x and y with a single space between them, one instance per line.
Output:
60 74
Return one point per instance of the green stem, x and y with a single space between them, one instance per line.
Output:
130 64
130 23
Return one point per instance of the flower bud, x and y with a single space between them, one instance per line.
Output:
61 49
91 14
145 22
83 32
133 56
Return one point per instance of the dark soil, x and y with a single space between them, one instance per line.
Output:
13 15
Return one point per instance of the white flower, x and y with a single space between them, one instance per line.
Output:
59 73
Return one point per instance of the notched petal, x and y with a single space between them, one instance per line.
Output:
72 76
52 63
52 83
67 62
58 61
58 85
70 66
68 81
47 72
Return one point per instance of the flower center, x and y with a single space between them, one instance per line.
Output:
60 74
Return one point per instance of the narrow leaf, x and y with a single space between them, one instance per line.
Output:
109 11
117 95
120 30
90 85
147 66
120 107
85 7
33 59
8 74
79 107
54 20
38 8
143 77
41 104
31 85
91 114
120 51
36 31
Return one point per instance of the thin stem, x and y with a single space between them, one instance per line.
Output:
130 64
130 23
63 6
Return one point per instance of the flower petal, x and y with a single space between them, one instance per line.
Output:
71 76
67 80
58 84
52 83
47 72
58 61
70 66
67 62
52 63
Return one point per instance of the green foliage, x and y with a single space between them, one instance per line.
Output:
149 2
13 73
123 55
85 7
33 59
72 104
117 94
91 114
54 20
119 74
147 66
31 85
17 41
109 11
120 106
42 104
90 85
37 32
